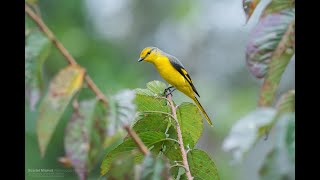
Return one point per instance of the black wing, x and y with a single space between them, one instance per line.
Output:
180 68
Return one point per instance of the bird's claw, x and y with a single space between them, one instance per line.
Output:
168 91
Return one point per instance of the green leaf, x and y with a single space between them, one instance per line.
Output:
155 88
277 163
276 6
148 103
123 167
77 137
151 122
37 49
247 131
190 120
62 88
270 44
201 166
152 99
148 138
155 168
157 122
249 7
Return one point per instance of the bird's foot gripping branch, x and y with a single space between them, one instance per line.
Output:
170 133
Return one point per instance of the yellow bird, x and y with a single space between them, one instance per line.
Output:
172 70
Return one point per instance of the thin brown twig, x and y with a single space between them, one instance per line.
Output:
63 51
89 81
137 140
179 134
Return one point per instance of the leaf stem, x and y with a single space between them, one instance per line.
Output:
89 81
179 134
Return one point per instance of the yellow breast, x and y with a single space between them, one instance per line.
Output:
172 76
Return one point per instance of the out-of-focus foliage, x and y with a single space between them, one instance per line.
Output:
249 7
245 133
36 52
84 136
77 137
265 40
279 163
270 48
62 88
150 167
155 168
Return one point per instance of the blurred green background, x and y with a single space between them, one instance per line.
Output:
208 36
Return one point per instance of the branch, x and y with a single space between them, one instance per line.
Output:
89 81
137 140
183 151
63 51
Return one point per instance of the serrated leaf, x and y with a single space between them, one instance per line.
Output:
148 103
249 7
245 133
159 123
62 88
154 88
269 40
276 6
155 168
151 122
77 138
190 120
155 116
36 52
201 166
148 138
277 163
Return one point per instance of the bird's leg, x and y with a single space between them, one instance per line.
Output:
169 91
168 88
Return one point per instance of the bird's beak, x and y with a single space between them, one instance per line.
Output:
140 59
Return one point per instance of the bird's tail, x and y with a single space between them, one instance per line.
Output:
202 110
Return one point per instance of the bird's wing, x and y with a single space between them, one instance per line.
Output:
180 68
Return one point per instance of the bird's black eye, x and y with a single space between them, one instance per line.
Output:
149 52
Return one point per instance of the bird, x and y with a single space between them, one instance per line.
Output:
172 70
